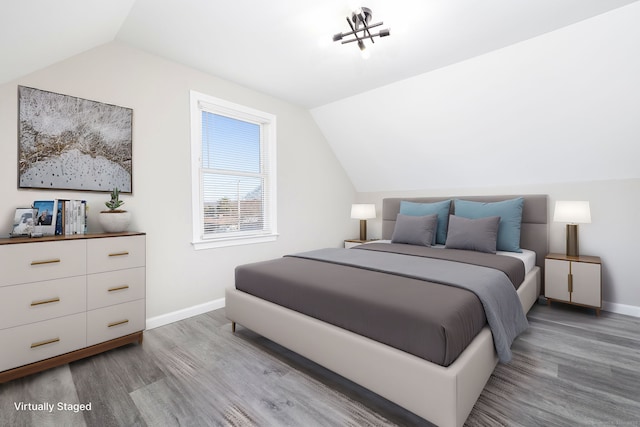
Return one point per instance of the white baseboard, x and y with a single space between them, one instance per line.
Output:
185 313
629 310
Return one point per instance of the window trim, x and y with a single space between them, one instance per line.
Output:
268 127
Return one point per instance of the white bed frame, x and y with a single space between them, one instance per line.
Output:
442 395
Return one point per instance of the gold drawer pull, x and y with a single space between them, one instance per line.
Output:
45 301
119 253
122 322
118 288
45 342
48 261
570 283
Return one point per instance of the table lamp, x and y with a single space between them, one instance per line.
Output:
573 213
363 212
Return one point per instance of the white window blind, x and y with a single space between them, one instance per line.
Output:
236 176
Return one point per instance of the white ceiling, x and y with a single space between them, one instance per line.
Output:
561 107
281 47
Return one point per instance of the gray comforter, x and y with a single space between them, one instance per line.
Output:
500 301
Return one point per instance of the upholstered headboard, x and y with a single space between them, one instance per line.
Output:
534 232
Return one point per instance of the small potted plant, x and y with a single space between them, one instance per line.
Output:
114 220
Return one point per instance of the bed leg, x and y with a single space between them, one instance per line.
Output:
233 327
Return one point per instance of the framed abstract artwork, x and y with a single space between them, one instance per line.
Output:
70 143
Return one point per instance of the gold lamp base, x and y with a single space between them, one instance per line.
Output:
363 229
572 240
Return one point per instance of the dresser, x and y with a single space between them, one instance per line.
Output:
63 298
574 280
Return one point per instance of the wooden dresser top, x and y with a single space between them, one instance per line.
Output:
15 240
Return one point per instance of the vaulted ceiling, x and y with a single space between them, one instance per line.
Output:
282 47
463 93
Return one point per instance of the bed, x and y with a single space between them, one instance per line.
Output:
444 395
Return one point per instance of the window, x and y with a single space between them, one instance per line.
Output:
233 170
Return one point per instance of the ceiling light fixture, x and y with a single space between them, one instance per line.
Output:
360 29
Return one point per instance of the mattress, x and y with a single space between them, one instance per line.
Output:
432 321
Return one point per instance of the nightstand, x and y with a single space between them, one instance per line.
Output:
348 244
574 280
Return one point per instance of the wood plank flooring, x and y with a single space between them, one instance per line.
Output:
569 368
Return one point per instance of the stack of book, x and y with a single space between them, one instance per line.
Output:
71 217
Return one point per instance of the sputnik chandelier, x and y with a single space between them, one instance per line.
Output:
360 29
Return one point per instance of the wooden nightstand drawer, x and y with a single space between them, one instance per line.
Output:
115 321
34 302
115 287
30 343
41 261
115 253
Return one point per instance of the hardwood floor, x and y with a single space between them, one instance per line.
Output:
569 368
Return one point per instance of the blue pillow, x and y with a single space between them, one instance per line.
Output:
422 209
510 213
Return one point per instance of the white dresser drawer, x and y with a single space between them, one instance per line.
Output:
115 287
34 262
115 253
115 321
30 343
34 302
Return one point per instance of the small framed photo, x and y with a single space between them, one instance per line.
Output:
24 222
45 221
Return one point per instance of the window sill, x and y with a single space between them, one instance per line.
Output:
232 241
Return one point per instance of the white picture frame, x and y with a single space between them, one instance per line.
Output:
23 222
46 215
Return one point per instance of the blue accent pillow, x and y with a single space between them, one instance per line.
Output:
510 213
422 209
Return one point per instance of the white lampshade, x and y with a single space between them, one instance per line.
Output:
572 212
363 211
